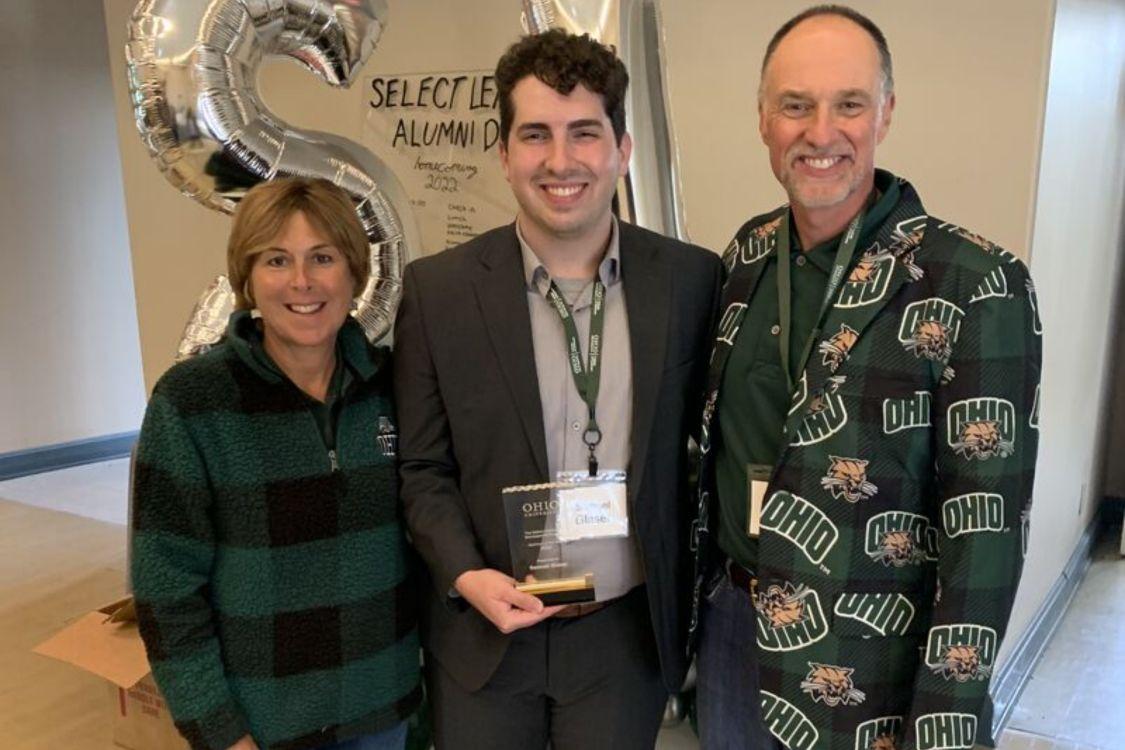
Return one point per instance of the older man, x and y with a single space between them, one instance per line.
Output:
869 435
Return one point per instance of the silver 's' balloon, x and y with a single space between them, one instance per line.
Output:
193 68
208 320
650 194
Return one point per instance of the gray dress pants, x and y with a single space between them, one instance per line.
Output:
583 683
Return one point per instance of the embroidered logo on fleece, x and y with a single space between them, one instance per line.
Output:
387 438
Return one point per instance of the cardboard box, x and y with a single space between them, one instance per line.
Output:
107 643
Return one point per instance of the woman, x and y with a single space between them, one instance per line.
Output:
269 563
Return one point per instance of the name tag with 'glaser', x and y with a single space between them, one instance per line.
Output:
594 508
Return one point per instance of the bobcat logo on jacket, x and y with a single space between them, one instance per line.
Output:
961 652
832 685
899 538
905 241
836 348
759 242
930 328
790 617
826 414
884 742
847 480
982 428
986 245
783 606
869 279
879 734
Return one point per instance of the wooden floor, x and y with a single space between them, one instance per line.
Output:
54 567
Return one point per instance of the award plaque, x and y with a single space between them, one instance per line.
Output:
561 536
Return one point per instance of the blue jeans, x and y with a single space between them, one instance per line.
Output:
389 739
727 701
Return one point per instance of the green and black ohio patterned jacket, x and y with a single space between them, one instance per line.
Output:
895 521
270 576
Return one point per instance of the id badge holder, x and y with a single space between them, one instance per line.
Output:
592 507
757 480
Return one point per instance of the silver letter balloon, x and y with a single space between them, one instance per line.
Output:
193 67
649 195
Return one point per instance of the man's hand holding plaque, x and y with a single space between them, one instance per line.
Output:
495 596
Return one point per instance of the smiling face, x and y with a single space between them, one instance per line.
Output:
822 112
303 288
563 162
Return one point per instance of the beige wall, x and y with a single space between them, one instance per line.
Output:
70 367
1077 262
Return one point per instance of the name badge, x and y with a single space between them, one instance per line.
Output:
757 480
594 508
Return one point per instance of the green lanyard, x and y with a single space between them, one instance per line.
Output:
844 254
587 377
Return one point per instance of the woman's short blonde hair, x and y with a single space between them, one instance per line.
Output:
266 208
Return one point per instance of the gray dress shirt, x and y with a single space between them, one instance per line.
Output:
564 411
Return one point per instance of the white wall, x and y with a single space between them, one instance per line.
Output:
1076 261
70 365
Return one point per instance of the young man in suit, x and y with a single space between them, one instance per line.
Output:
869 435
487 399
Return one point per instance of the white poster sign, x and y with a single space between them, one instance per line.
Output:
440 133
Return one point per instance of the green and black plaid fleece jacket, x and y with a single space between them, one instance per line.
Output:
895 521
271 581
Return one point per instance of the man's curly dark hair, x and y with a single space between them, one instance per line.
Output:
562 61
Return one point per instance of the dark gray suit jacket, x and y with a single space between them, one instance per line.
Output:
470 423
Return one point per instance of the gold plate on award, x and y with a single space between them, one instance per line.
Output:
561 590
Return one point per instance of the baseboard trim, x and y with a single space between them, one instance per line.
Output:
65 455
1013 676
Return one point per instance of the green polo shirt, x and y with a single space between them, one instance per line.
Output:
754 398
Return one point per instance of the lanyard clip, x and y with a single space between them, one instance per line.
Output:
591 437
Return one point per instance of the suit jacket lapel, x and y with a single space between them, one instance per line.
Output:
886 265
501 293
648 293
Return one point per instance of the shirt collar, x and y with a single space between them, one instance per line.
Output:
535 274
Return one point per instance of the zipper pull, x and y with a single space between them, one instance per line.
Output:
333 461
